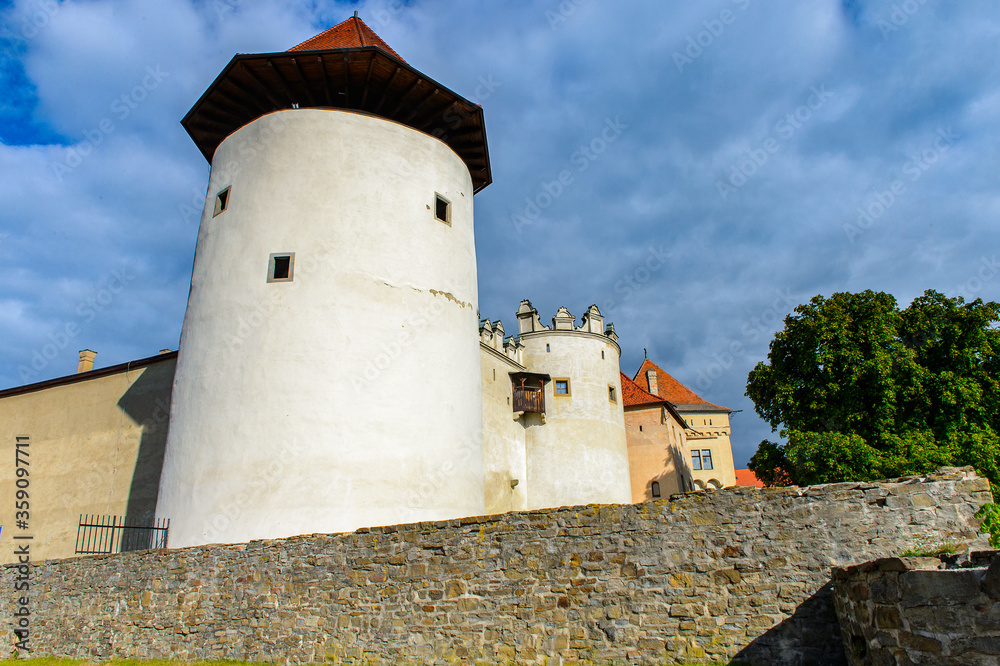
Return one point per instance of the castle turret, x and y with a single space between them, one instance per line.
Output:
328 375
575 450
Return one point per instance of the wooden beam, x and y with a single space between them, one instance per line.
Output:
385 91
231 80
288 88
231 100
305 82
402 98
368 81
416 107
213 112
212 126
437 114
347 80
264 88
326 80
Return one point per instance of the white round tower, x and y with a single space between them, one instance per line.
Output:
579 455
328 375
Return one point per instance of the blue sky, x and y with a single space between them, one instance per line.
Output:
722 162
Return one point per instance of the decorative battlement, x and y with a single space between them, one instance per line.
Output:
492 335
591 322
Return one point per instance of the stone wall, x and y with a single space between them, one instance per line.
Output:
920 610
711 575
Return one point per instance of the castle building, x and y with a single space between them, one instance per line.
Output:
328 376
702 454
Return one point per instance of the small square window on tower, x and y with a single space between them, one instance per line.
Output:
221 201
561 386
280 267
442 209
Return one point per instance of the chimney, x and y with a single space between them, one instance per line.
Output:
86 361
651 381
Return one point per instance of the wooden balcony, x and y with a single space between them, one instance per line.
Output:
529 399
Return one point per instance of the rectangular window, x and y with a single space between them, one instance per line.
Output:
221 201
696 460
706 459
442 209
280 267
562 386
611 394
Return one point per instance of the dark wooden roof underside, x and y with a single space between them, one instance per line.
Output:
365 79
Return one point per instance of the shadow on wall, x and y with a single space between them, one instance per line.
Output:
801 634
147 402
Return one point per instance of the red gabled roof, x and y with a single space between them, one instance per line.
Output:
352 33
633 394
673 391
746 477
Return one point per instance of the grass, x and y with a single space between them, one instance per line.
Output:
943 549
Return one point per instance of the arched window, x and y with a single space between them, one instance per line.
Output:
655 489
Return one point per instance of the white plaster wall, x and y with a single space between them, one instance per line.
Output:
503 437
351 396
579 455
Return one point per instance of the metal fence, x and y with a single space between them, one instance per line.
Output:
119 534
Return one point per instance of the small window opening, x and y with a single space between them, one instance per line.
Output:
655 489
696 460
562 387
280 267
442 209
706 459
221 201
602 354
612 395
640 428
494 374
547 348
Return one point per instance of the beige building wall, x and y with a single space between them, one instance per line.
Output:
656 452
710 432
96 447
504 474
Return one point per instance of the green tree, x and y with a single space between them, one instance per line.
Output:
859 389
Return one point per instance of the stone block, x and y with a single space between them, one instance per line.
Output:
938 587
991 582
919 642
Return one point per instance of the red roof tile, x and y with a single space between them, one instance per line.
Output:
633 394
352 33
672 390
745 477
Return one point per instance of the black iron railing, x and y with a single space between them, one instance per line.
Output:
119 534
529 399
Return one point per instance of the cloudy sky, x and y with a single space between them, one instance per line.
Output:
722 161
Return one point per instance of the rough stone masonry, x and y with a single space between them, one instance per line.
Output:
736 573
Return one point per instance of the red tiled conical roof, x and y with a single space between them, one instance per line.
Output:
352 33
673 391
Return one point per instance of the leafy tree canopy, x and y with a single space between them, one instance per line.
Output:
861 390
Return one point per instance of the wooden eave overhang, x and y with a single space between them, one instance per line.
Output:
363 79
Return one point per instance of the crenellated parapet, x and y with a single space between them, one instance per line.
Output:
592 321
492 335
